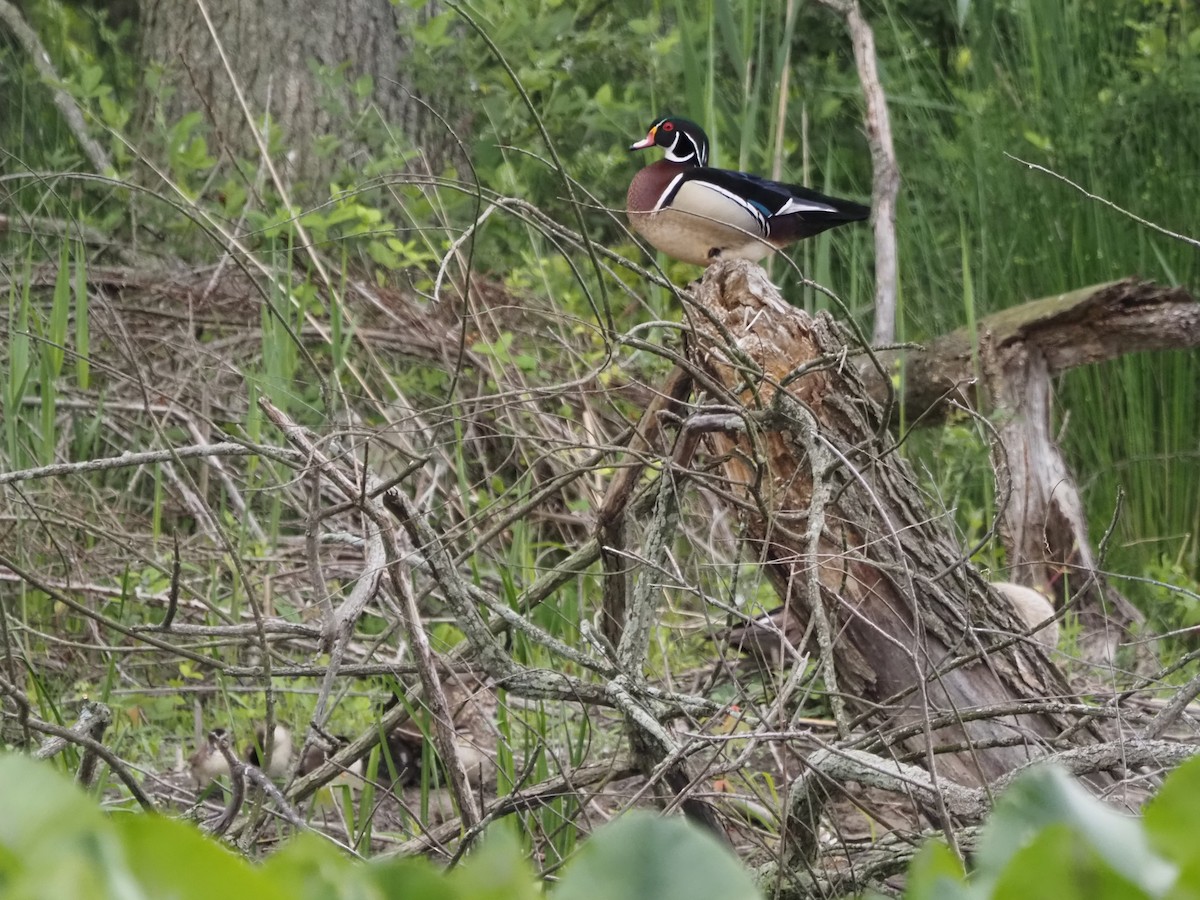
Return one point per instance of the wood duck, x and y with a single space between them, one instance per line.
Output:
701 215
315 757
405 747
1034 610
207 763
281 751
402 755
472 712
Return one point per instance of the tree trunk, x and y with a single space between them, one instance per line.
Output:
282 54
911 637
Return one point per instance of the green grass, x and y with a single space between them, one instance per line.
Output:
980 232
1150 452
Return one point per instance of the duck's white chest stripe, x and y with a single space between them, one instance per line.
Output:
665 197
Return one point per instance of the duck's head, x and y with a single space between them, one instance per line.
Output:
683 140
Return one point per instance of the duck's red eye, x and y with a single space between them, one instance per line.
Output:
668 126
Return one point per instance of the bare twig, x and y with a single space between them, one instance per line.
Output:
1144 222
839 765
147 457
1174 709
173 594
237 780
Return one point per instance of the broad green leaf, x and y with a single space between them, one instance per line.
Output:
648 857
40 805
497 870
412 877
175 860
1187 887
1172 818
936 872
10 866
1061 864
58 842
1047 796
309 868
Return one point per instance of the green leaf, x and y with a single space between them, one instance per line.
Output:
1187 887
38 804
1063 865
114 114
56 841
936 872
1047 796
89 80
175 860
60 314
412 877
497 870
82 332
1172 818
647 857
309 868
1039 140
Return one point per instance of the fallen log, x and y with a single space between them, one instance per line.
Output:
1004 370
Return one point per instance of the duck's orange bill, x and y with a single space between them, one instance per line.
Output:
648 142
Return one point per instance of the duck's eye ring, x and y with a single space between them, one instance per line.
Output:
668 126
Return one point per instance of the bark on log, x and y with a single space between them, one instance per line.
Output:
1078 328
908 630
1006 375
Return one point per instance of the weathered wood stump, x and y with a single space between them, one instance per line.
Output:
913 641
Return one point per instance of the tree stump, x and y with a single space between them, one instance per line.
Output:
913 642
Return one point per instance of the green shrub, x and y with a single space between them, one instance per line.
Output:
1048 838
56 842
